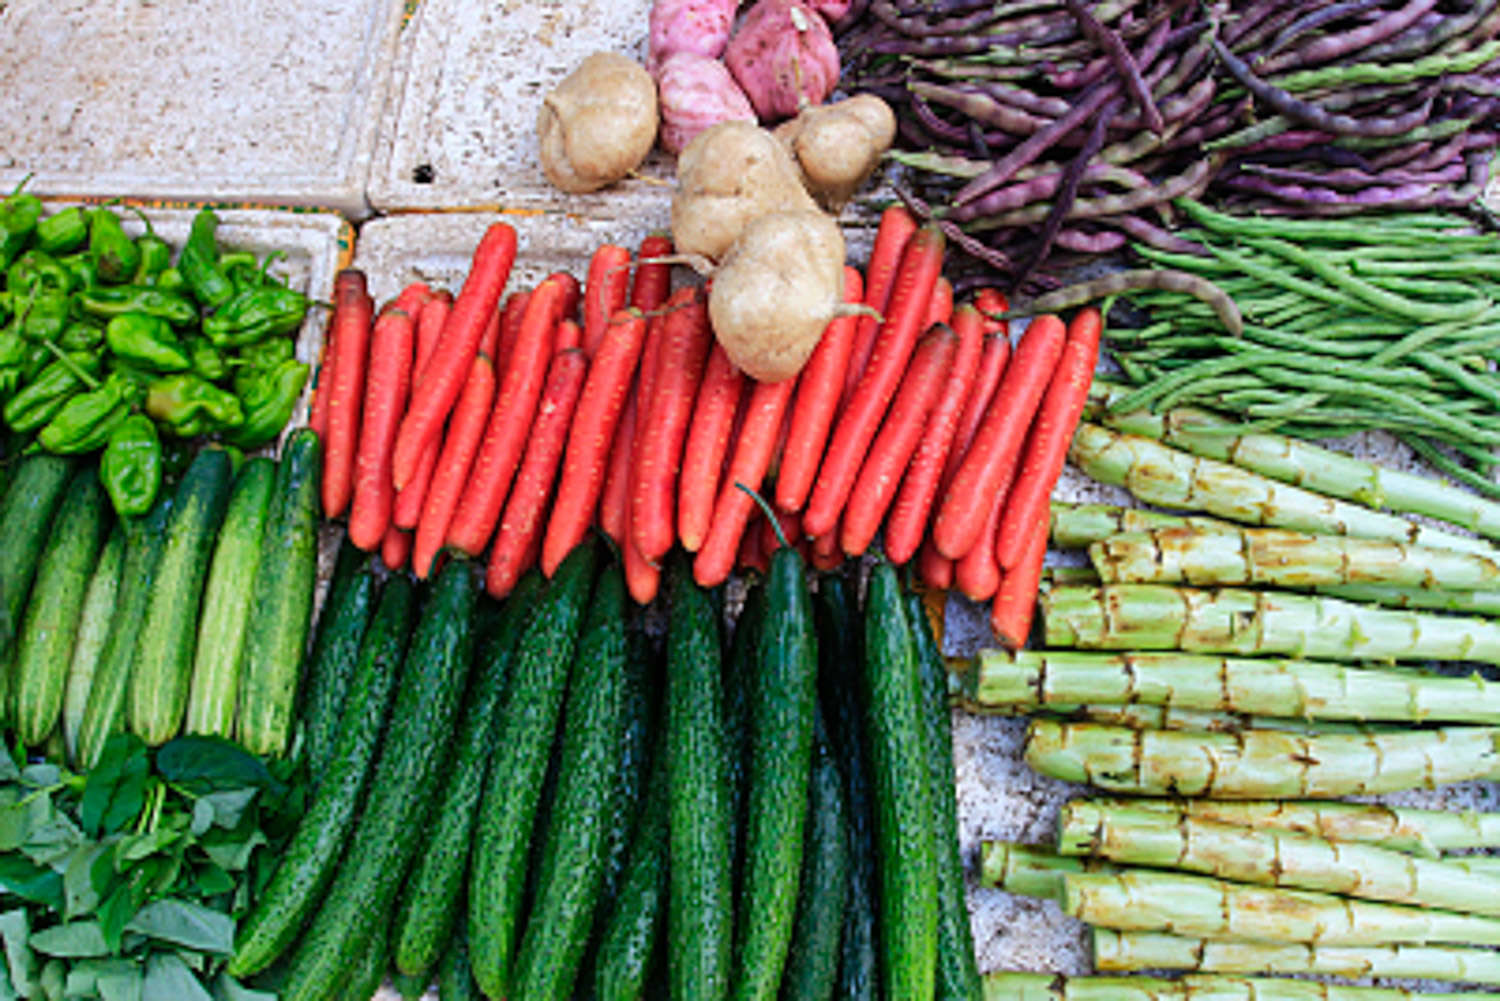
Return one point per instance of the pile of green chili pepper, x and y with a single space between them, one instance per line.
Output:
107 343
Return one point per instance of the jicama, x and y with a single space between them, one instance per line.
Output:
1061 679
1015 986
1259 764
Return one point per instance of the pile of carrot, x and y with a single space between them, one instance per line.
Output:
519 423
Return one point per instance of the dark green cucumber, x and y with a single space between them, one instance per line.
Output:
30 501
839 681
739 678
282 599
783 703
812 968
901 789
406 780
635 925
369 973
957 971
455 982
335 650
573 864
162 670
309 862
105 712
700 915
433 892
642 682
498 866
93 630
409 986
215 689
45 647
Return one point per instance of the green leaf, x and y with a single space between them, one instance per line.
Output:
226 988
134 847
51 841
203 817
168 978
77 938
41 775
8 770
80 889
53 979
202 765
184 923
31 882
124 986
116 785
15 930
211 881
234 853
20 816
229 805
85 975
117 910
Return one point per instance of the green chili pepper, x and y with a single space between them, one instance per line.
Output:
199 262
171 280
242 268
87 420
131 465
147 341
7 305
188 405
80 267
13 348
62 232
115 253
208 361
107 303
269 398
19 215
36 272
81 335
38 357
267 354
43 317
10 381
155 253
45 395
255 314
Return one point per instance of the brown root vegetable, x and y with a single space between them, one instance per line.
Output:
701 27
776 291
728 175
599 124
784 57
696 92
839 145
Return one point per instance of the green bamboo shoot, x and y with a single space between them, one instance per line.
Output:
1126 951
1238 621
1138 716
1259 764
1076 526
1026 680
1030 870
1466 602
1012 986
1272 858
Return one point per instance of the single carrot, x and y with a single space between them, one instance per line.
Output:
751 554
707 445
940 309
455 461
976 573
789 524
826 554
992 364
918 271
439 383
614 505
1015 600
412 298
407 510
521 524
605 290
346 393
572 292
614 499
685 342
895 231
591 435
567 335
642 577
992 457
510 326
1051 432
430 323
395 548
934 569
764 414
352 307
387 383
819 388
652 281
907 522
880 474
519 389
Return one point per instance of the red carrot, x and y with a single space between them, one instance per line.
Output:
413 298
346 391
976 573
591 435
451 475
820 386
1015 601
352 307
685 342
880 475
510 326
940 309
707 444
790 525
430 323
604 292
751 554
992 364
438 385
572 292
407 510
907 523
934 569
651 282
895 230
826 554
642 577
567 335
521 523
520 387
918 272
1051 432
614 499
395 548
992 458
387 383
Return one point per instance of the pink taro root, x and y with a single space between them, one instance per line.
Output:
693 93
783 55
698 26
831 10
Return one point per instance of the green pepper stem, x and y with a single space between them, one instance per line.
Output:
20 185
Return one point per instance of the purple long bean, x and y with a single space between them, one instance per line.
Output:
1348 179
1331 47
1154 236
979 106
1123 62
1067 190
1104 241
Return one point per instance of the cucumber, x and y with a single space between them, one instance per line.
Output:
105 712
573 864
700 923
901 790
409 986
93 630
215 690
369 973
812 968
739 677
432 895
311 858
282 599
628 943
405 783
782 707
957 972
163 666
455 982
502 840
335 650
26 512
642 679
45 645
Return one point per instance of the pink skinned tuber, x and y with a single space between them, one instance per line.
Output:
831 10
701 27
695 92
784 57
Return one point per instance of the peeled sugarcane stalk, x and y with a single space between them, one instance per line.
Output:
1259 764
1272 858
1121 952
1158 474
1009 986
1029 870
1230 620
1203 907
1309 466
1076 526
1061 680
